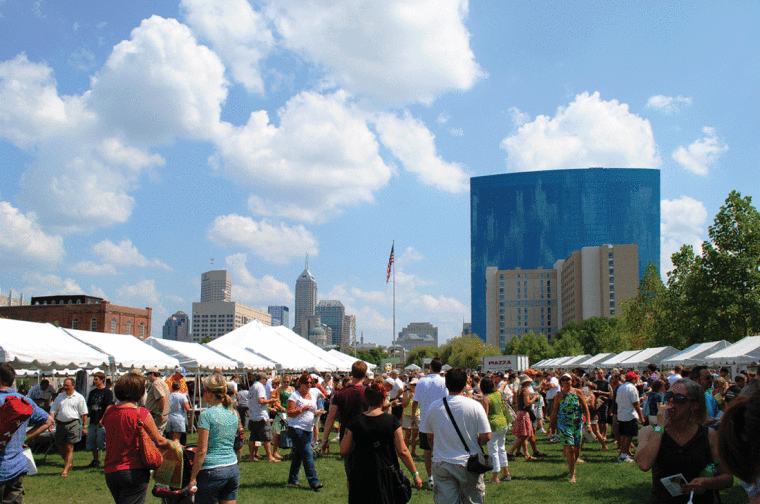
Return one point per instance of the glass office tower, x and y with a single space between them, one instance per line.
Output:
532 219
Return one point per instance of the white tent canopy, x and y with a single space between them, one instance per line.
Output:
617 359
575 360
744 351
649 356
45 347
695 354
126 351
348 359
245 358
192 356
593 361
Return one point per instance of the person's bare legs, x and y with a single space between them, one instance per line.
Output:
268 450
571 454
67 453
414 442
624 445
253 451
276 446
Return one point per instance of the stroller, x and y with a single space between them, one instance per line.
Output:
171 495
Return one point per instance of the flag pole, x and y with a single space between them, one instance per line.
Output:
394 298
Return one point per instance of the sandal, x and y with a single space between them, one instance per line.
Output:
539 454
527 459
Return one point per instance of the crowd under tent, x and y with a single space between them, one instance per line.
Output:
695 354
193 356
245 358
45 347
595 360
617 359
348 359
649 356
125 351
744 351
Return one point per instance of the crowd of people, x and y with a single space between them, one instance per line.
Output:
698 426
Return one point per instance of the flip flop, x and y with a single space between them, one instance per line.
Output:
530 458
539 454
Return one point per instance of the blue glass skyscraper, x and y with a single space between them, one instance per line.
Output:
532 219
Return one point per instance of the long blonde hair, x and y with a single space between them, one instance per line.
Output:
217 385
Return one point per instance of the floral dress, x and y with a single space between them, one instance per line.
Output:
570 420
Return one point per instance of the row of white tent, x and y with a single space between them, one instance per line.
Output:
46 348
714 353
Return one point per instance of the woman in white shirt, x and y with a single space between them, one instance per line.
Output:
301 407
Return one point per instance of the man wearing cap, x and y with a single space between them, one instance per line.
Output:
258 415
629 415
157 398
98 400
177 376
70 412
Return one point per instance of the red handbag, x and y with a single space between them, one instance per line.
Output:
150 456
13 413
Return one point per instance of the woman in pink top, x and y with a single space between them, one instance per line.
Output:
126 477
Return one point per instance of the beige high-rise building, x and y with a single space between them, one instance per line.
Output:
217 318
596 280
216 286
520 301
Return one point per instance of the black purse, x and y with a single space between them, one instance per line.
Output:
478 463
400 486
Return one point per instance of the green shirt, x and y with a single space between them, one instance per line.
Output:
222 425
497 413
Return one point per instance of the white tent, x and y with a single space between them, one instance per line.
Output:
193 356
695 354
593 361
45 347
349 359
617 359
744 351
539 363
649 356
126 351
575 360
245 358
412 367
282 346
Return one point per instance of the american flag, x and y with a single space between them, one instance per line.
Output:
390 263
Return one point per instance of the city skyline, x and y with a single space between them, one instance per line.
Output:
143 143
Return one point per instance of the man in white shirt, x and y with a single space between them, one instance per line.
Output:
258 423
676 375
429 389
629 415
41 394
70 412
552 389
453 482
394 396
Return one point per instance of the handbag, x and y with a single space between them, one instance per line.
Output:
150 456
478 463
400 485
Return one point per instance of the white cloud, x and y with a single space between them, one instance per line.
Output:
248 289
140 295
683 221
588 132
22 241
702 154
414 145
91 268
238 34
440 304
125 254
443 118
457 132
518 117
425 43
48 285
410 255
275 243
321 158
668 104
82 59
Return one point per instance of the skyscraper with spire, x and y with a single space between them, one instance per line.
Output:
306 297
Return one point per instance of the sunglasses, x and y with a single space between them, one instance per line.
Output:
564 379
677 398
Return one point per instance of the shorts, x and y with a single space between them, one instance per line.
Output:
424 442
260 431
410 422
175 424
68 432
218 484
602 413
96 437
629 428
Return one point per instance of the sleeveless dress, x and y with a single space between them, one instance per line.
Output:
570 420
369 478
690 460
522 426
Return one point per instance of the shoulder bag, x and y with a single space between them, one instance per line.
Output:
478 463
150 456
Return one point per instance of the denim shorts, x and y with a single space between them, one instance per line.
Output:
218 483
96 437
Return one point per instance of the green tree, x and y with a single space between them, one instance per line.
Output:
373 355
206 339
536 347
643 314
416 355
587 333
468 351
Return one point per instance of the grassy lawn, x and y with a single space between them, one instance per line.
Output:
600 480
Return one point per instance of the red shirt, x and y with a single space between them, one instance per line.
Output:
120 423
350 402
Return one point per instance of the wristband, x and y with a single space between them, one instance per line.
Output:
659 428
414 475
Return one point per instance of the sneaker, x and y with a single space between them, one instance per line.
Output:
628 459
430 482
554 439
542 430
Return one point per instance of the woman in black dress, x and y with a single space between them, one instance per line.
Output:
377 441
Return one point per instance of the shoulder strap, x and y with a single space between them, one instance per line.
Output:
448 410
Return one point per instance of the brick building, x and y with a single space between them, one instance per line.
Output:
84 312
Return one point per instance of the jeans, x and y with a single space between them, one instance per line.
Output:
302 453
128 486
218 483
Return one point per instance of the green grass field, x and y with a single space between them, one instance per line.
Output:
600 480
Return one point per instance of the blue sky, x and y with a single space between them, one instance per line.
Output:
139 140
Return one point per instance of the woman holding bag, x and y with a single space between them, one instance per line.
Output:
126 476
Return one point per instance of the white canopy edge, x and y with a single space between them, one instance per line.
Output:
193 356
126 351
695 354
649 356
744 351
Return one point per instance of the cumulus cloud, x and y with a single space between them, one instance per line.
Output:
248 289
125 254
321 158
426 44
92 268
237 33
668 104
22 241
82 59
275 243
683 221
588 132
139 295
414 145
702 154
440 304
410 255
48 285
